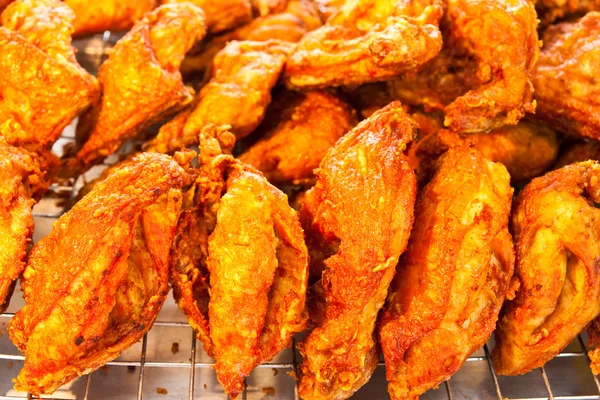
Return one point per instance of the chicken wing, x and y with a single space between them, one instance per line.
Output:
103 287
141 83
298 131
551 10
299 17
366 41
222 15
357 220
566 83
107 15
445 299
237 95
556 228
42 87
483 77
579 151
239 264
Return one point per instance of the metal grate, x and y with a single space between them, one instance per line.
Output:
143 370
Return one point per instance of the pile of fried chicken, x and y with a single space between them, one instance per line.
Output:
397 177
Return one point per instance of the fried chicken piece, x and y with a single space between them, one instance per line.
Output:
42 87
141 83
551 10
357 220
556 228
368 98
327 8
365 41
237 95
298 18
445 299
593 331
298 131
482 79
239 251
579 151
107 15
4 4
222 15
566 83
103 287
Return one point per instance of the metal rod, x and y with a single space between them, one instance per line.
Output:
494 376
585 351
192 366
547 383
448 389
86 391
142 366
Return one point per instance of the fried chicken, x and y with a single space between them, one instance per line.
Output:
298 131
551 10
239 264
107 15
141 83
42 87
566 84
366 41
102 287
556 228
237 95
483 77
357 220
222 15
579 151
445 299
298 18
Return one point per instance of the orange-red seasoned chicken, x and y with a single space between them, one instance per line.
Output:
567 88
222 15
239 264
551 10
107 15
42 87
103 272
298 131
237 94
357 220
141 82
483 77
557 241
452 280
366 41
579 151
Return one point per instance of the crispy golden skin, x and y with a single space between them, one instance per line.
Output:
237 95
566 83
551 10
445 299
141 82
107 15
103 287
579 151
556 228
298 18
239 264
482 78
593 332
357 220
366 41
298 131
222 15
42 87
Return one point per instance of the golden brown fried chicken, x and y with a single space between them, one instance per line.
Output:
329 7
593 332
42 87
445 299
482 78
579 151
141 83
237 94
107 15
368 98
239 264
22 183
567 89
357 220
557 229
298 18
298 131
366 41
222 15
551 10
103 287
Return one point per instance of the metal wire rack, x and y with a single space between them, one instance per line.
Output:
168 363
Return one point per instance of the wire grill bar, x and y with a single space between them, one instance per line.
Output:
93 55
